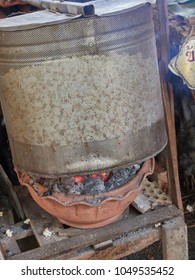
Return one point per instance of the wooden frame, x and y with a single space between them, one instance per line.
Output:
124 237
168 100
138 231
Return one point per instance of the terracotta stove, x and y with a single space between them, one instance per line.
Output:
81 97
89 201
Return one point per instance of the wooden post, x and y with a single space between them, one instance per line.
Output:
168 101
7 186
163 31
174 240
2 252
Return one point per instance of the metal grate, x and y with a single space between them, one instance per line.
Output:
86 93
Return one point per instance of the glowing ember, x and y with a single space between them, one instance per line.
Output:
78 179
91 184
94 175
101 175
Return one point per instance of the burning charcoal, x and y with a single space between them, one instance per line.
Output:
60 187
94 186
66 189
137 167
40 181
133 170
47 193
56 188
78 179
49 183
76 189
89 184
121 177
65 180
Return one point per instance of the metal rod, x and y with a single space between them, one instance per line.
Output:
71 8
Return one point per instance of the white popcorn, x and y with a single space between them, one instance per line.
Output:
9 233
47 232
80 99
27 221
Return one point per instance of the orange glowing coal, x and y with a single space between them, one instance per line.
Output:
78 179
101 175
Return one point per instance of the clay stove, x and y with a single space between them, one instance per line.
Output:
87 94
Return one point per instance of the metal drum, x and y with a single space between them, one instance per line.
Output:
82 95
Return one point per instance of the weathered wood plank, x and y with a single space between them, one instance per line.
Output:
103 245
8 188
6 217
40 220
168 100
2 252
52 251
163 30
172 161
120 248
174 240
16 231
19 231
142 203
10 246
70 232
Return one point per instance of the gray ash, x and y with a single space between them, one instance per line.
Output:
92 184
121 177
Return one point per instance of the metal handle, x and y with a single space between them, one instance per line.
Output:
72 8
